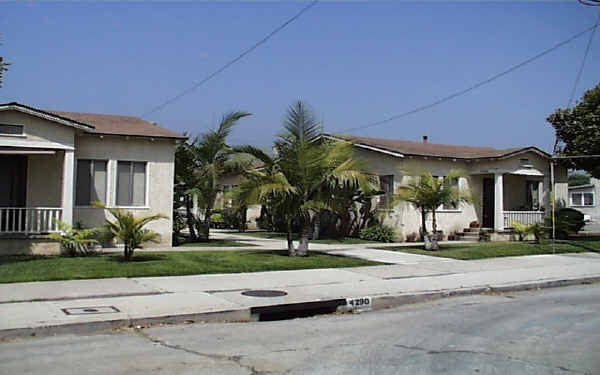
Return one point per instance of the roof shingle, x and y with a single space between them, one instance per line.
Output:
434 149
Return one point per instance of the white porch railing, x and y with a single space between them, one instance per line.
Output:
29 219
523 217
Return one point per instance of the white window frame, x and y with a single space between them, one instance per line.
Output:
106 183
581 202
450 210
146 204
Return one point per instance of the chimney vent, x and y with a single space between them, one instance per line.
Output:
425 139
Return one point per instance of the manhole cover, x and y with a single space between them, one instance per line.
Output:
264 293
90 310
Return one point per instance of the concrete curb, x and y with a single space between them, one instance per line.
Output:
253 314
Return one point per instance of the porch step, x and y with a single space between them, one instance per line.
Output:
468 236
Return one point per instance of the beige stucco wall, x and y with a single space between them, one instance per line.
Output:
406 220
159 154
37 129
44 180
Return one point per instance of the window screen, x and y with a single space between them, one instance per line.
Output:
131 183
91 182
11 129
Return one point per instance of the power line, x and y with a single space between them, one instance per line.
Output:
233 61
475 86
578 77
585 55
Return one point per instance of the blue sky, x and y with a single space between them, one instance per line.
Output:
354 62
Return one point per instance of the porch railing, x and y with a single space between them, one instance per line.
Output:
29 219
523 217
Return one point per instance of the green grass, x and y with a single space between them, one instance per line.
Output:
217 243
501 249
38 268
329 241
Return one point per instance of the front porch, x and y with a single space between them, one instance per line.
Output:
507 197
36 190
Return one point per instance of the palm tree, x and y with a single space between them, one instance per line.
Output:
212 158
130 229
427 193
306 170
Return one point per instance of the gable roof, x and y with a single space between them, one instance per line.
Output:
403 148
100 123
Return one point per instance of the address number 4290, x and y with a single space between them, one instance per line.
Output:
360 303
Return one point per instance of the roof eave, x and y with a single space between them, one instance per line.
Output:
45 115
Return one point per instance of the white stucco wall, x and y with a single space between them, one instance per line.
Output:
37 130
44 180
159 155
406 220
592 211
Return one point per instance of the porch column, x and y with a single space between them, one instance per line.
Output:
67 186
540 195
498 202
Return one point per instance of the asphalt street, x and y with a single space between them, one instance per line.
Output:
552 331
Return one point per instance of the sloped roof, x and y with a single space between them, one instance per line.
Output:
435 149
107 124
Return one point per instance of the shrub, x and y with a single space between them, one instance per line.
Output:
381 233
74 242
523 230
412 237
568 221
484 235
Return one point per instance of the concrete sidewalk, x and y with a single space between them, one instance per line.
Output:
40 308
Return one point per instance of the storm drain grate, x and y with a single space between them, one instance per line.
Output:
90 310
264 293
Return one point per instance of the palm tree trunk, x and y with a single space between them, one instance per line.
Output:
316 227
423 222
290 241
304 237
434 235
190 218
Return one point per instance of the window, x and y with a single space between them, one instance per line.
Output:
452 205
131 183
386 185
524 162
582 199
91 182
11 129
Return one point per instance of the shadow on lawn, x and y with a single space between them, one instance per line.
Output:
137 258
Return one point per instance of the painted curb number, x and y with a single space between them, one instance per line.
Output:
359 303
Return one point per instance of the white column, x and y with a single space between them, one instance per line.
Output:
498 202
540 195
67 187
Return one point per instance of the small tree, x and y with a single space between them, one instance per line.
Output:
74 242
427 193
129 229
578 132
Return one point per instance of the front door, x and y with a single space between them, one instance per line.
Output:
13 180
488 203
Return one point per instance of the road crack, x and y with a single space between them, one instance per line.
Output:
464 351
237 359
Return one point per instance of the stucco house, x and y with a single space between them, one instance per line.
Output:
509 184
54 164
584 198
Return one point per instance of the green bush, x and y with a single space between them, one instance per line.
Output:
568 221
381 233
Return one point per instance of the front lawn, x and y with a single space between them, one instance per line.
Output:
172 263
328 241
500 249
